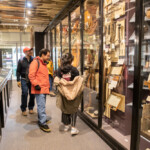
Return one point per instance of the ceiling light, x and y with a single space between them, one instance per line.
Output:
25 26
29 4
26 19
29 12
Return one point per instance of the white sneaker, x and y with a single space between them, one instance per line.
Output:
66 128
74 131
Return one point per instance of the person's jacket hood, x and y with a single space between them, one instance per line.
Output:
69 89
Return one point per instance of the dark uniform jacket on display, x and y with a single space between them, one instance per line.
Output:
23 66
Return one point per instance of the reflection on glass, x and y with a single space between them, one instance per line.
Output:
58 48
49 40
7 58
54 46
118 53
12 48
145 74
75 37
91 63
65 36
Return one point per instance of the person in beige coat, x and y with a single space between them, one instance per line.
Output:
70 92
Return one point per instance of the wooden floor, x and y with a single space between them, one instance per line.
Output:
22 133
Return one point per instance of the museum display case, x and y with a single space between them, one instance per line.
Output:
145 76
5 88
58 47
75 37
91 42
105 39
118 72
54 48
65 36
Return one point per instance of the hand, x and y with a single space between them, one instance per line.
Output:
19 84
37 87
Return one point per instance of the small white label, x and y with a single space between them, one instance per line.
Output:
104 39
120 61
115 1
117 16
113 46
91 46
148 99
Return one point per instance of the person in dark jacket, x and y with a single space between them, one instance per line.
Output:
68 72
23 81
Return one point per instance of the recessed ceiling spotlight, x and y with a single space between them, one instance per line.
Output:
29 12
25 26
26 19
29 4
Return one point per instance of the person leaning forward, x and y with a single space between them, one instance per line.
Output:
38 75
23 82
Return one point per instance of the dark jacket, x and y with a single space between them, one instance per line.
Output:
23 65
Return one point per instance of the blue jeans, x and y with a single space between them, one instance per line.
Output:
51 82
26 90
41 102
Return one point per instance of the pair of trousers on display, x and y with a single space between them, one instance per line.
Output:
68 119
26 90
41 108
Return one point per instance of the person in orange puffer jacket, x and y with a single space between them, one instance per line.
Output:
39 78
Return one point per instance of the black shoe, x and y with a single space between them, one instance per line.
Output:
45 128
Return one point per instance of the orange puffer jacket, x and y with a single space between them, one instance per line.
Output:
39 76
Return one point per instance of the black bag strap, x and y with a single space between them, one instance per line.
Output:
38 64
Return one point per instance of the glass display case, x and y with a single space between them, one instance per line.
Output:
5 87
58 47
75 37
4 72
118 75
54 48
91 63
7 58
145 75
65 36
104 53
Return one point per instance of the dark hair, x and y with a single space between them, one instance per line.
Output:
43 52
66 61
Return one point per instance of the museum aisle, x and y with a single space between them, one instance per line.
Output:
22 133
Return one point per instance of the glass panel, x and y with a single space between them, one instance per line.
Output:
53 39
65 36
91 63
58 48
118 53
75 37
49 40
145 74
